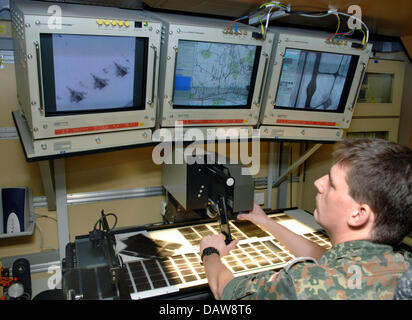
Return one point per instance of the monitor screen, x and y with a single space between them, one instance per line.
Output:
88 73
315 81
215 75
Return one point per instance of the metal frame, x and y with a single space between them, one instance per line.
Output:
296 164
47 174
271 168
61 206
277 165
8 133
38 150
39 262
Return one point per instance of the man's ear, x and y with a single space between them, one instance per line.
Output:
361 216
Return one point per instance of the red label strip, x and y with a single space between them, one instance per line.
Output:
97 128
316 123
210 121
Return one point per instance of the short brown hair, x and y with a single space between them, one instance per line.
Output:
380 175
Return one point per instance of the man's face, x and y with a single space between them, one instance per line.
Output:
333 202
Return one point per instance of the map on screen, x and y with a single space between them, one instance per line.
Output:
213 74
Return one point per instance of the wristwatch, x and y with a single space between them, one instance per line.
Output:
208 251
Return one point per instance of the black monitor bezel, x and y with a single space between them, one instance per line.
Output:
251 89
49 94
346 89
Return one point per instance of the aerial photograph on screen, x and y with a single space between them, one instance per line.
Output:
92 73
312 80
213 74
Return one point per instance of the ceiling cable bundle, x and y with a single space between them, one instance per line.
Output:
269 8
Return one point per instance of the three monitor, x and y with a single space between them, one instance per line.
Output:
103 77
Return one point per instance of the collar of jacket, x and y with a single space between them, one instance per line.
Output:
362 248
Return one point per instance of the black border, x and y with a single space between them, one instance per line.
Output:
251 89
47 61
346 89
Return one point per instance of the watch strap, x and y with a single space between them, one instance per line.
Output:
208 251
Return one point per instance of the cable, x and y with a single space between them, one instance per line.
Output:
45 216
273 4
337 29
262 30
366 35
309 15
333 35
269 5
318 13
314 14
343 34
238 19
268 18
364 40
4 9
100 221
42 247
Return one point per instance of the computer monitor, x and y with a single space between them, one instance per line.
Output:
85 69
88 74
212 75
312 82
315 80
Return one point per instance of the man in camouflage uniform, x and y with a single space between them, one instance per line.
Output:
364 203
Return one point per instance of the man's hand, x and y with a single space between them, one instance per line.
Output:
217 241
257 216
217 274
297 244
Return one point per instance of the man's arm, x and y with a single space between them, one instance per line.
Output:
217 274
298 245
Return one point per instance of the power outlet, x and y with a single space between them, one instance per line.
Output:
259 198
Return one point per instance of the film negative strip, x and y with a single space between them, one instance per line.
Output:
257 251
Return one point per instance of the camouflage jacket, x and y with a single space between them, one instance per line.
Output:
404 289
351 270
